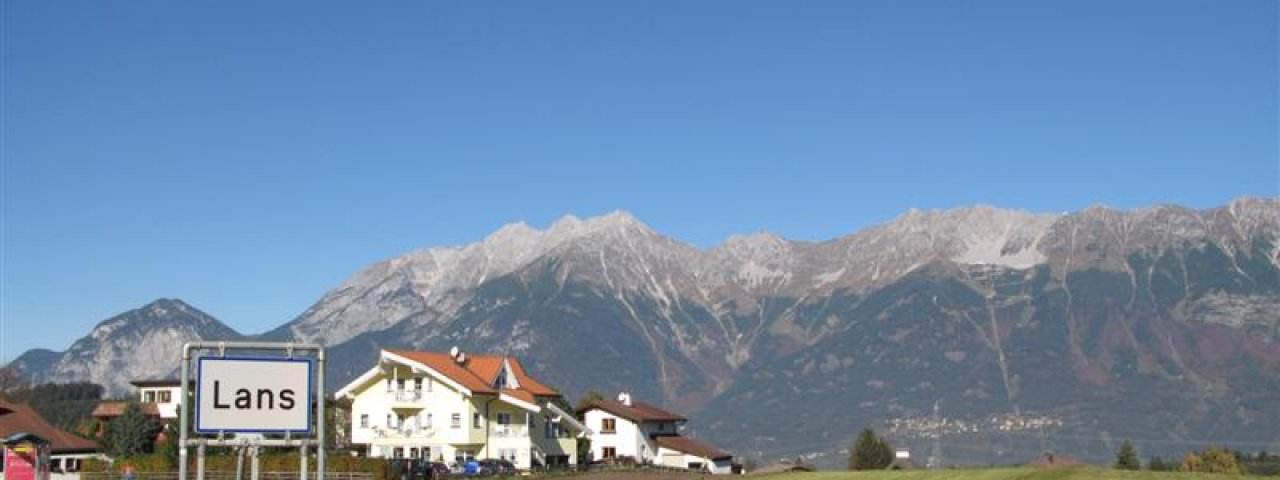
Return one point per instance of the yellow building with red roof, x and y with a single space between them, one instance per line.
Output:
454 406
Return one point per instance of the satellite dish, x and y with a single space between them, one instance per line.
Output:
462 357
453 352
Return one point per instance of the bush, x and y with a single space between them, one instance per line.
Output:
870 452
271 462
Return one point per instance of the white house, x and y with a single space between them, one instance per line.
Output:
165 394
451 406
648 434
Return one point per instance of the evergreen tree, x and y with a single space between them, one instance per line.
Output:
132 433
870 452
1127 458
1157 464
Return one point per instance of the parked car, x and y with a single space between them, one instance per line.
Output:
427 470
440 469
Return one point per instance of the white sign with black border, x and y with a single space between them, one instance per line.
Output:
253 395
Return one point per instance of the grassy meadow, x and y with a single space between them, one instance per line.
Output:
1091 473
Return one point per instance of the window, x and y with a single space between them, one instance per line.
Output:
426 420
609 452
504 419
397 452
417 384
400 384
388 384
391 421
507 454
364 420
166 396
500 382
608 425
426 453
149 396
475 420
455 421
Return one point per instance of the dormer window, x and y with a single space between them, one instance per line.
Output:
505 379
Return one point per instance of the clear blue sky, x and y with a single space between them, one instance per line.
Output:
248 156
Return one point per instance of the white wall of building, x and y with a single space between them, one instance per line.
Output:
424 426
166 398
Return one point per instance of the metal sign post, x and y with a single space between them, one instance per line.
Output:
253 388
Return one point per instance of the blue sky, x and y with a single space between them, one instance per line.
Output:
248 156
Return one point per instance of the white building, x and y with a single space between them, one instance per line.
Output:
647 434
165 394
451 406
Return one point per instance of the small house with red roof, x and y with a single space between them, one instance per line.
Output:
644 432
66 449
456 405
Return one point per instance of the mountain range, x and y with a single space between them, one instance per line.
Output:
1017 331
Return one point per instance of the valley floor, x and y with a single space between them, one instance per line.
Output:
956 474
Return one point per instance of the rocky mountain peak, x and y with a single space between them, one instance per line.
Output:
618 222
145 342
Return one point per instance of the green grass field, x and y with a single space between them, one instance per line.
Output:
1003 474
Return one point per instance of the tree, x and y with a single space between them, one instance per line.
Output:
588 398
1218 460
1127 458
1211 460
1191 462
132 433
870 452
1157 464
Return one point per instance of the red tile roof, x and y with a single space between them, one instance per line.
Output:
17 417
637 412
691 446
112 409
479 372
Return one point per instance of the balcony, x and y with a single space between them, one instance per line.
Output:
406 399
509 431
404 432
